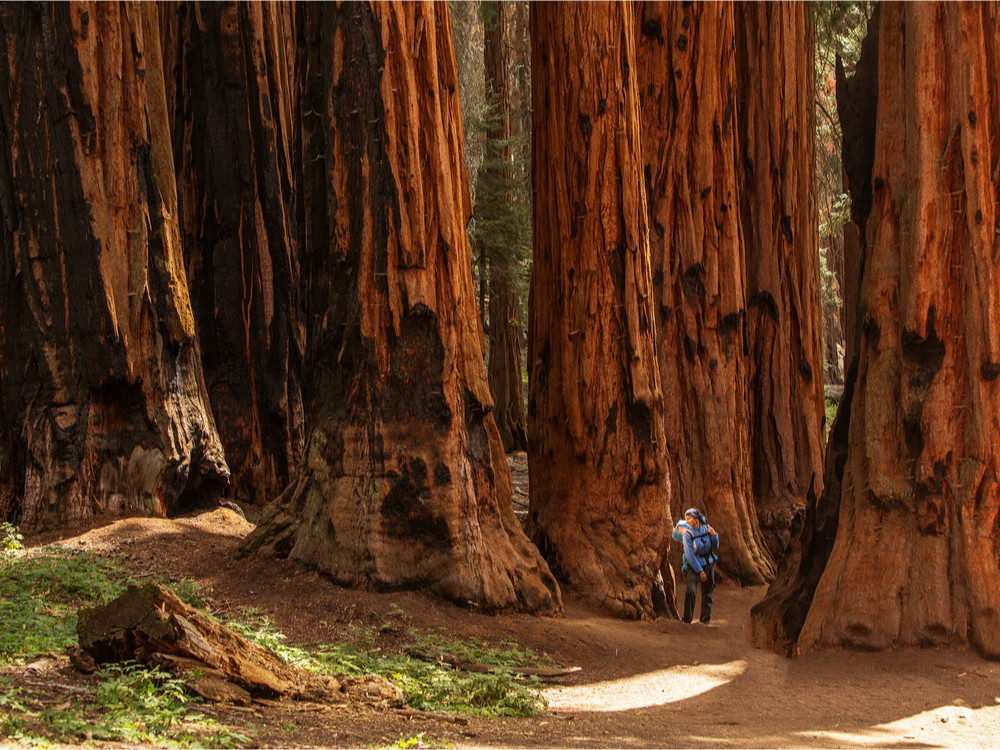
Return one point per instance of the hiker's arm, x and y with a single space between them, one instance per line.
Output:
692 558
715 539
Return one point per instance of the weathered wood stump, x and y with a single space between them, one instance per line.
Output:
151 625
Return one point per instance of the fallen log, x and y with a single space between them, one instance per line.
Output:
150 624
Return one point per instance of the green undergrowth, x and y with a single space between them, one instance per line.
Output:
830 406
10 538
428 684
418 741
40 593
42 589
132 704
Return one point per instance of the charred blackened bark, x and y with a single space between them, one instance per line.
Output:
689 134
104 408
403 482
233 141
600 491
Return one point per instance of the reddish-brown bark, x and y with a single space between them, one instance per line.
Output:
686 75
776 147
600 492
104 408
404 482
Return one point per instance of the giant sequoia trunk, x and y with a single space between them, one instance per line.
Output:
504 305
920 482
233 135
686 73
776 127
915 560
600 492
404 480
103 404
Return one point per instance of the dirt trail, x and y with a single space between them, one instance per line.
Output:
643 684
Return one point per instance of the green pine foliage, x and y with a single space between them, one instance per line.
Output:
500 231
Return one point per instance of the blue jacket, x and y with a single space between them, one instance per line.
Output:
699 546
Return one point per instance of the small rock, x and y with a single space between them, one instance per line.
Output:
81 659
45 664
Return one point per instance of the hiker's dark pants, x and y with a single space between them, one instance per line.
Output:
707 589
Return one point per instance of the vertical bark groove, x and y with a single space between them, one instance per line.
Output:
776 146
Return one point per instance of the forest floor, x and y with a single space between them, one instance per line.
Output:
655 683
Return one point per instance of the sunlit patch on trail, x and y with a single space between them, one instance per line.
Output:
644 690
962 724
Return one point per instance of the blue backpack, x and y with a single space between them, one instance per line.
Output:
701 533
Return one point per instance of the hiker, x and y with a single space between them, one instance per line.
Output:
700 544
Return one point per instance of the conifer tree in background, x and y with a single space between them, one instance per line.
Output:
501 233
